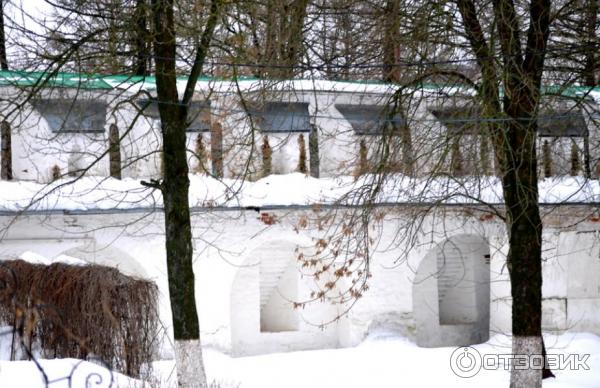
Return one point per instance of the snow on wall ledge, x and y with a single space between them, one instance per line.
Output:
98 193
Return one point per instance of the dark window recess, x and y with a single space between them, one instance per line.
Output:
66 115
198 115
559 123
368 119
562 123
459 121
282 117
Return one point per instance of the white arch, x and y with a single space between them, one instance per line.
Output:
109 256
246 288
283 327
451 293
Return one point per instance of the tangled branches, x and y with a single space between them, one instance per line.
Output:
80 311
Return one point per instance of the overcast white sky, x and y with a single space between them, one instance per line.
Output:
26 15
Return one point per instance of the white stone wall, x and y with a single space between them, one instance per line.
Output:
230 247
36 149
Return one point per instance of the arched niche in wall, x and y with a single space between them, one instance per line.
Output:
278 285
451 293
79 248
108 256
261 297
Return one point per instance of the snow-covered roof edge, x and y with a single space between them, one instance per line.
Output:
109 82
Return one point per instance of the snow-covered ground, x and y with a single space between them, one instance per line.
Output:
97 193
386 360
382 360
26 374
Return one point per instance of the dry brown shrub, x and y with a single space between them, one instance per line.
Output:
81 310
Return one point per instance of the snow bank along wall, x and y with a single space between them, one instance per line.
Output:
69 128
453 287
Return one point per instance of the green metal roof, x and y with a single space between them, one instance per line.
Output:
66 80
107 82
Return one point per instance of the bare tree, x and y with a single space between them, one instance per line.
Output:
509 43
82 46
520 73
175 185
3 60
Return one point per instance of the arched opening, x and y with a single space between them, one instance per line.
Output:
109 256
456 284
451 293
278 288
262 314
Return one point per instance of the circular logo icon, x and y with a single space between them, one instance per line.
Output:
465 362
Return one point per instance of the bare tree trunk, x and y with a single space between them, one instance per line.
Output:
547 159
270 56
484 155
515 144
284 36
525 249
391 73
408 165
6 153
591 65
347 39
3 60
575 160
216 149
590 68
587 168
391 38
141 38
294 42
313 151
520 181
175 187
114 151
